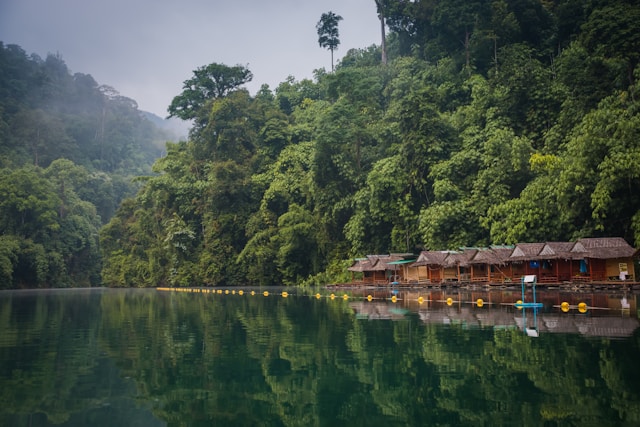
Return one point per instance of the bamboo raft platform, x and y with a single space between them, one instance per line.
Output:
473 285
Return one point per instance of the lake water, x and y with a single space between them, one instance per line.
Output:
443 358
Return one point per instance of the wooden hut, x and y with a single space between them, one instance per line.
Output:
457 267
358 268
380 269
372 271
429 267
551 262
557 261
492 265
586 260
606 259
397 267
524 259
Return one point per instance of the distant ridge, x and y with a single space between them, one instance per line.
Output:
179 129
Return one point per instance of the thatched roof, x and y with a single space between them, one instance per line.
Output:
503 252
370 263
360 265
526 251
561 250
460 258
492 256
605 247
431 258
596 248
377 262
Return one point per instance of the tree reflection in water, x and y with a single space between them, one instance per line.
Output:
144 357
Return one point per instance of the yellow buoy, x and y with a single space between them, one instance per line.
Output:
564 306
285 294
226 292
369 297
240 292
332 296
318 295
233 292
479 302
265 293
345 297
394 298
219 291
253 292
582 307
420 300
449 301
519 302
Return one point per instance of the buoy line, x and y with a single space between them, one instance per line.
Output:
332 296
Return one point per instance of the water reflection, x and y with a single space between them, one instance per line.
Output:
142 357
612 316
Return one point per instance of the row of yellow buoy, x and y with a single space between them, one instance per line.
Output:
285 294
565 307
582 307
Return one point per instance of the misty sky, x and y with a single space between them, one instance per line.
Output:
145 49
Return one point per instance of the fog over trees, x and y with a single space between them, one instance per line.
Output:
69 152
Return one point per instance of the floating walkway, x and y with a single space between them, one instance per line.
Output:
572 286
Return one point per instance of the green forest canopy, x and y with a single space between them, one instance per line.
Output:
69 149
493 122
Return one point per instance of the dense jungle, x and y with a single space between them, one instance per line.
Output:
472 123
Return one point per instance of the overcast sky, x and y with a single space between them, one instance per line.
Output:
146 49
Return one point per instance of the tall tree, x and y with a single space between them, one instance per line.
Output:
383 42
328 35
210 82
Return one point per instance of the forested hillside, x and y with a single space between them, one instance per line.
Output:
482 122
69 149
492 122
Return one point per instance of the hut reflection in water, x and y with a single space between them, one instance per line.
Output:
605 314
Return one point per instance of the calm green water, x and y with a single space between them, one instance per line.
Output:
151 358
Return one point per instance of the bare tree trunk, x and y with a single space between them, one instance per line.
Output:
466 48
35 148
104 113
495 52
383 44
332 69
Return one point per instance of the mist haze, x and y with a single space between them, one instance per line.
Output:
146 49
